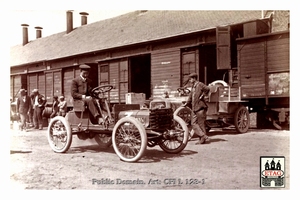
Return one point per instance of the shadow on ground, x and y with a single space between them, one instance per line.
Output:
150 154
19 151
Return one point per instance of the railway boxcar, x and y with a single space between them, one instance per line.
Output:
264 77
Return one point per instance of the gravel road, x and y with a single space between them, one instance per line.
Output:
229 161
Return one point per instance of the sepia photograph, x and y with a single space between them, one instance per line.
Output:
150 99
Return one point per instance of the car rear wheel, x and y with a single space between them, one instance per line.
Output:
242 119
103 140
175 139
185 113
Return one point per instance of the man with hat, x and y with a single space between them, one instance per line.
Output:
81 90
39 102
199 107
23 108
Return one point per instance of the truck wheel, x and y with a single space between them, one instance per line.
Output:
185 113
176 139
59 134
242 119
103 140
129 139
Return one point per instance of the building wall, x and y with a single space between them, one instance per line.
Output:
53 77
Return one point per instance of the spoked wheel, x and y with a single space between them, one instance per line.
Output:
176 139
129 139
185 113
103 140
242 119
59 134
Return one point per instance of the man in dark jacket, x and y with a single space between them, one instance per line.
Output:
199 107
39 102
23 108
81 90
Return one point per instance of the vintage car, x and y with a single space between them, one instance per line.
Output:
225 107
127 127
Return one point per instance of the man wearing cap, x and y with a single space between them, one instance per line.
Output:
81 90
23 108
199 107
39 102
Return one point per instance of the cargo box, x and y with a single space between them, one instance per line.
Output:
135 98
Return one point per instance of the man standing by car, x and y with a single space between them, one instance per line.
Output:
39 102
199 107
81 90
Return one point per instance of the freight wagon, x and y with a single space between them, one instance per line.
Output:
261 80
264 77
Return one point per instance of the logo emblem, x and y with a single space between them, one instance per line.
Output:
272 171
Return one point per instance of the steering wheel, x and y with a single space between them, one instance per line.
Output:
183 90
101 89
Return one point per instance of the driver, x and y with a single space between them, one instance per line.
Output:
81 90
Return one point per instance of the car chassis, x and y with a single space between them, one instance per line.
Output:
127 127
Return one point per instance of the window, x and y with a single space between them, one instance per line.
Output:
104 80
188 65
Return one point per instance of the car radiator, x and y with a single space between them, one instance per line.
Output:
161 119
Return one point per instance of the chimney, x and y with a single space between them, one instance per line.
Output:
38 32
69 21
25 33
83 18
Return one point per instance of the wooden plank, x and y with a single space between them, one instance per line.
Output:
278 41
280 63
252 50
278 49
251 62
252 80
253 72
257 90
278 57
251 58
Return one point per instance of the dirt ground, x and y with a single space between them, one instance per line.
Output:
229 161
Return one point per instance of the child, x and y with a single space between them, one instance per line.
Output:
54 107
62 106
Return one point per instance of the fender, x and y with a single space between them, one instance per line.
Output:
141 115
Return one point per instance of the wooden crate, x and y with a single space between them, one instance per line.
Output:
229 94
135 98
